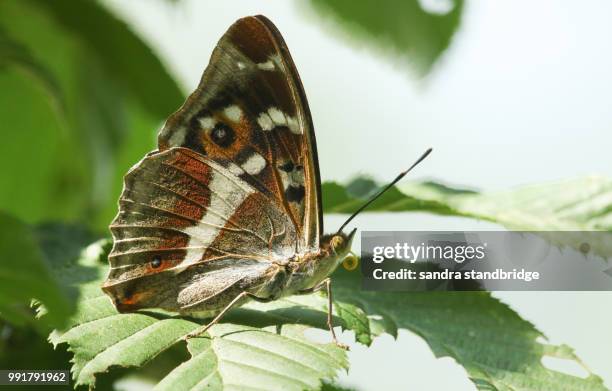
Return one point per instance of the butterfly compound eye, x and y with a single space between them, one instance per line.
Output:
337 242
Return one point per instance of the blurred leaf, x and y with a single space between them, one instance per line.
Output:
496 347
64 246
43 178
12 53
335 387
576 206
23 348
401 27
127 58
24 275
115 92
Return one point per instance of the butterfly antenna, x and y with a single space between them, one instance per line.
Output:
384 189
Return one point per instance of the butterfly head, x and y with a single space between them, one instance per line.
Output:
334 249
339 244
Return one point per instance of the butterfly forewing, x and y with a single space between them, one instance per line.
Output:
232 191
250 109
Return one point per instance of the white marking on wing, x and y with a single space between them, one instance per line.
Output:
297 177
233 113
178 137
293 125
277 116
285 180
265 122
293 178
235 169
266 66
254 164
240 65
207 122
226 196
278 61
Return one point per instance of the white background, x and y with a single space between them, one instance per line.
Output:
522 96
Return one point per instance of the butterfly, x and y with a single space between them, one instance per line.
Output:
228 208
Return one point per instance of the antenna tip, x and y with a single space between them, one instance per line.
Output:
423 156
379 193
419 160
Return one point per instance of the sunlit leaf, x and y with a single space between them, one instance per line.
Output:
498 349
576 206
261 345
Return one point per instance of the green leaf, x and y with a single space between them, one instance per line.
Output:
109 83
240 357
264 343
12 53
261 345
576 206
497 348
25 348
36 146
66 248
132 63
25 275
402 28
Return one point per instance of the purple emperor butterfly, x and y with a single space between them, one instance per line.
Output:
228 208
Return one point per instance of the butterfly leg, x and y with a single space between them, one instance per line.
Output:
201 330
326 283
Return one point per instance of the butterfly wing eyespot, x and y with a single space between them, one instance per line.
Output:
131 299
350 263
222 135
156 262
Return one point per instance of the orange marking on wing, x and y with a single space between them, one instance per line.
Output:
187 208
132 300
189 162
242 131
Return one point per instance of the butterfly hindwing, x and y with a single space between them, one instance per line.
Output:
179 210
